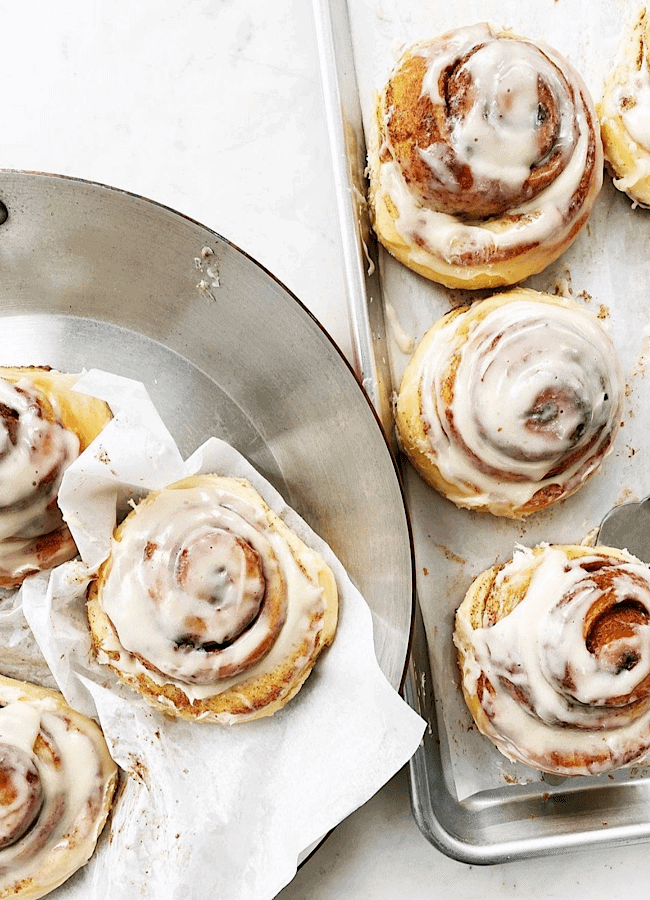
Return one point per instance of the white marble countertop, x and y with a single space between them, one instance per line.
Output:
213 107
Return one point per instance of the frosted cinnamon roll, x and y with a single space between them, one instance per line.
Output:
209 605
57 782
485 160
625 113
554 652
511 404
44 425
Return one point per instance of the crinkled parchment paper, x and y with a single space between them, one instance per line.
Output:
607 269
206 809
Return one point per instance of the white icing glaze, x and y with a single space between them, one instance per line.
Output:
58 778
147 628
38 448
498 138
626 100
577 701
33 456
637 117
403 339
536 382
498 141
628 93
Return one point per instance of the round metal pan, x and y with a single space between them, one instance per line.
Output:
93 277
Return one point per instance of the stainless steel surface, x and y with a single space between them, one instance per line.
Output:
628 526
348 152
519 820
91 277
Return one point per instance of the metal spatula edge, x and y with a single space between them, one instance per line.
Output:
627 527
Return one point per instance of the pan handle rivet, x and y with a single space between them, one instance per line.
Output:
4 213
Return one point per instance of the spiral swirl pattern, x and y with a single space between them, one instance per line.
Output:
208 603
554 648
35 450
486 160
43 427
512 403
56 785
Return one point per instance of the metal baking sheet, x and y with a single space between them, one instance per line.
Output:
520 814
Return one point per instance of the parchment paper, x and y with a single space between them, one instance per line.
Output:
207 809
607 269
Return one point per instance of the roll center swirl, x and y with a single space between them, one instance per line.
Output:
225 577
21 794
559 412
532 389
491 129
33 455
206 597
498 100
613 635
609 608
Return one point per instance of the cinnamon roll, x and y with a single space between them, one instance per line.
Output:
209 605
44 425
554 653
485 160
57 782
510 404
624 113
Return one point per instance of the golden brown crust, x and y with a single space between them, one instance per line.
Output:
422 172
627 150
260 689
416 124
463 442
80 413
57 761
571 704
37 538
